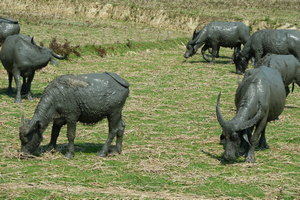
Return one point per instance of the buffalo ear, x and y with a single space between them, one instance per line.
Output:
246 138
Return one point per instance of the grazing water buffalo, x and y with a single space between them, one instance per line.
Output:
87 98
8 27
259 98
279 41
287 65
217 34
20 56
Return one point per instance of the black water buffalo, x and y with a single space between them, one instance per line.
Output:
8 27
259 98
20 56
87 98
215 35
279 41
287 65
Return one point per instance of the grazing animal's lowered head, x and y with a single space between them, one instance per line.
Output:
30 136
241 63
235 135
259 99
190 50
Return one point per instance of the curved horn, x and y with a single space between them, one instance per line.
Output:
251 122
59 56
219 115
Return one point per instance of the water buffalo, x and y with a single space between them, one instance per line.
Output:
8 27
279 41
87 98
20 56
217 34
259 98
287 65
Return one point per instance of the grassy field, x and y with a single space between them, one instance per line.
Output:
171 144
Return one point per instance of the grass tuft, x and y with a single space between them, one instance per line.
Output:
64 48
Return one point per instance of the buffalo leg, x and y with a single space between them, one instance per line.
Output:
71 131
255 139
287 91
218 52
236 51
28 86
16 75
263 141
215 49
120 133
24 87
116 127
54 135
204 48
10 78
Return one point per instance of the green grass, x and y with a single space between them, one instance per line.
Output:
171 148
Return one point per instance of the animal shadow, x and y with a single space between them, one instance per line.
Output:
220 158
4 92
13 93
89 148
217 61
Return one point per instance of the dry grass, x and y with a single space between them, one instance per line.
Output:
171 148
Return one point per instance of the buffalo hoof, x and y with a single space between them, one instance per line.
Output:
250 159
69 155
29 97
18 101
102 154
51 148
239 72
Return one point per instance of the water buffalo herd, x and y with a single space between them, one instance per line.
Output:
88 98
260 96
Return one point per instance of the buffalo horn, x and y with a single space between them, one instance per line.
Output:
251 122
219 115
58 56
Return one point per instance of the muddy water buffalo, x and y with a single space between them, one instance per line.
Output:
287 65
87 98
8 27
279 41
259 98
20 56
215 35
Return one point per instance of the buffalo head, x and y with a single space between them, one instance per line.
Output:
241 63
190 50
235 134
30 136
